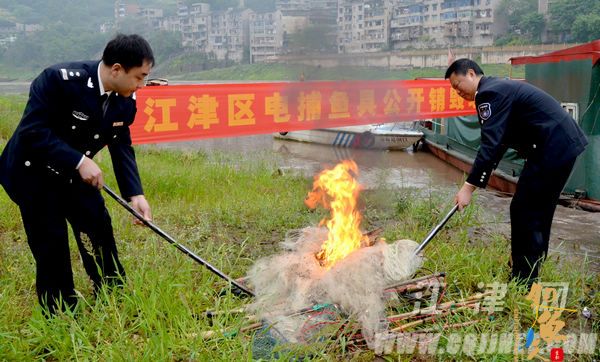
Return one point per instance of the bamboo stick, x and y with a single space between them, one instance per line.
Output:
432 309
454 325
427 319
435 276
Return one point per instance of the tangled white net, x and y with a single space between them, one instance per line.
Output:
292 280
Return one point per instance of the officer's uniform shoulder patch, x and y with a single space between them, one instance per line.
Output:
73 74
485 111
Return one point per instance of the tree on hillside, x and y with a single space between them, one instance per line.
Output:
57 43
86 13
165 44
586 28
525 24
315 39
532 26
570 19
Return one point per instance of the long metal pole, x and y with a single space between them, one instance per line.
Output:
168 238
435 230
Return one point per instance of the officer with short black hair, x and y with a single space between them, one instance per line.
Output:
518 115
73 111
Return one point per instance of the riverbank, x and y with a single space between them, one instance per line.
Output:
280 72
233 208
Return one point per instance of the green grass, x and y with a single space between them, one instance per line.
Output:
231 209
291 72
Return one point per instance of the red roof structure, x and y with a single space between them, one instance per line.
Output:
589 50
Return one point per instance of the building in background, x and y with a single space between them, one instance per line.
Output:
345 26
300 15
151 16
266 36
228 34
363 26
123 9
10 32
434 23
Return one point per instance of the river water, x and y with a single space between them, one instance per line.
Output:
575 233
14 87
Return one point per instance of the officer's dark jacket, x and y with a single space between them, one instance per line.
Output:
62 121
515 114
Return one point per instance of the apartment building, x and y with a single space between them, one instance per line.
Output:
192 22
321 12
228 34
434 23
151 16
363 26
293 7
123 9
266 35
357 26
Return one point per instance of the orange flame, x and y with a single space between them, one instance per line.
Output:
337 190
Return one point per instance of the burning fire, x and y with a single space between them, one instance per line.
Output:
337 190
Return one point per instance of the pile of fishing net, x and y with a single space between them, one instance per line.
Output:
295 295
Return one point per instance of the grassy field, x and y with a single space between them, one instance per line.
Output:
291 72
232 209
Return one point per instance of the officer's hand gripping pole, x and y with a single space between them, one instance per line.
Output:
172 241
435 230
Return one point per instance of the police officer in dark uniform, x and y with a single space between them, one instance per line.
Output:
518 115
74 110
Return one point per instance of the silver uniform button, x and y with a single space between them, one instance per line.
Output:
87 153
73 127
534 146
96 136
27 163
115 136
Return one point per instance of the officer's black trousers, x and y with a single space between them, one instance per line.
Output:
531 212
45 219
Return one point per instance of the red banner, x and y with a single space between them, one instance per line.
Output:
186 112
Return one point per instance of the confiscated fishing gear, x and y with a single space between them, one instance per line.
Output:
188 252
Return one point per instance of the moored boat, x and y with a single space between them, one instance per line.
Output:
388 136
